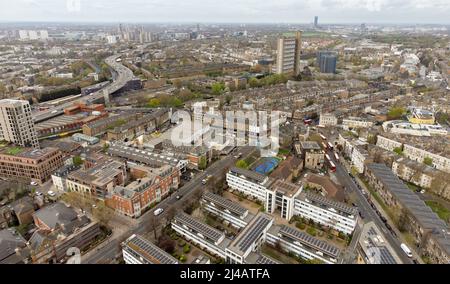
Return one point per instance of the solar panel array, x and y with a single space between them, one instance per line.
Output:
149 251
310 241
207 231
224 203
339 206
262 259
422 213
252 232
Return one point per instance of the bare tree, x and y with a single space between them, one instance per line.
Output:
154 224
170 214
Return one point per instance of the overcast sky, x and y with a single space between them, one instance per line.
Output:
275 11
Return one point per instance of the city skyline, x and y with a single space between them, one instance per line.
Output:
204 11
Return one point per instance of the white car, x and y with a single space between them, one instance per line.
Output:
51 193
33 183
422 191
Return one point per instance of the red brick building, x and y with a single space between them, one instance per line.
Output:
149 187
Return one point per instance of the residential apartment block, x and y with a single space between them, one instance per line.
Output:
138 250
16 123
430 233
288 54
330 213
249 183
290 200
302 244
150 186
226 209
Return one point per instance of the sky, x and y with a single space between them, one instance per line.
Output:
229 11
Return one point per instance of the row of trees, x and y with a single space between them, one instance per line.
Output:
267 81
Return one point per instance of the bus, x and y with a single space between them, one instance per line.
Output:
332 167
336 156
406 249
322 136
330 146
325 147
307 121
327 157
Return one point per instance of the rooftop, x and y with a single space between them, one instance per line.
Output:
225 203
287 188
148 251
28 153
142 156
251 233
10 240
201 228
307 240
254 176
327 203
310 145
375 247
409 200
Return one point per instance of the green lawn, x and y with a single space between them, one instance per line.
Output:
284 152
439 209
13 150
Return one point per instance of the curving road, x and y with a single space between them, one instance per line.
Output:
124 75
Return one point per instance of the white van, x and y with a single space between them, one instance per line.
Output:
406 250
158 211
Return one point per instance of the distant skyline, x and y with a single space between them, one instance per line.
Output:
229 11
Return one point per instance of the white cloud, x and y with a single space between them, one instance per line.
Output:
229 10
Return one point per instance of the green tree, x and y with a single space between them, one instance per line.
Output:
396 113
175 102
77 161
153 103
217 88
202 163
228 99
253 82
398 150
242 164
428 161
372 139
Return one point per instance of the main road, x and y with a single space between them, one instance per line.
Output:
364 207
107 252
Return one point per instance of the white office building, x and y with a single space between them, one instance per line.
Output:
16 123
249 183
330 213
